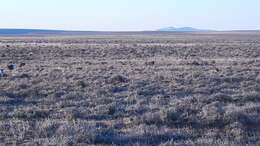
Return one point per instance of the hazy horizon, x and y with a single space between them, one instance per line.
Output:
134 15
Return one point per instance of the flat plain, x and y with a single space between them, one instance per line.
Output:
131 89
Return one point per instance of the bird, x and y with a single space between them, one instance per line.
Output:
11 66
22 64
30 53
1 72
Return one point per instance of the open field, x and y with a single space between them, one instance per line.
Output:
131 89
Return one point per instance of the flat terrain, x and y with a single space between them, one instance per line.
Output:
131 89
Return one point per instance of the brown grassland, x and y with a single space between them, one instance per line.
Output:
131 89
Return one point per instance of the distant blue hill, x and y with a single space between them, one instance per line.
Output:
28 31
10 32
182 29
37 32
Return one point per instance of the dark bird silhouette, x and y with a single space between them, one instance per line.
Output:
22 64
11 66
217 70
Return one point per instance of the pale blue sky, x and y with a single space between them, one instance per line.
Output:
118 15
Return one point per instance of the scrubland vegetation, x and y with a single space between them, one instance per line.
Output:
163 89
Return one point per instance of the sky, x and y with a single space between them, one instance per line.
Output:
130 15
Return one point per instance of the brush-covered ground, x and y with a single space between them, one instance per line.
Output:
163 89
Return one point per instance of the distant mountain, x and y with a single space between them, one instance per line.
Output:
37 32
182 29
27 32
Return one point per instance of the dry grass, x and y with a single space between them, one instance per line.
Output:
182 89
